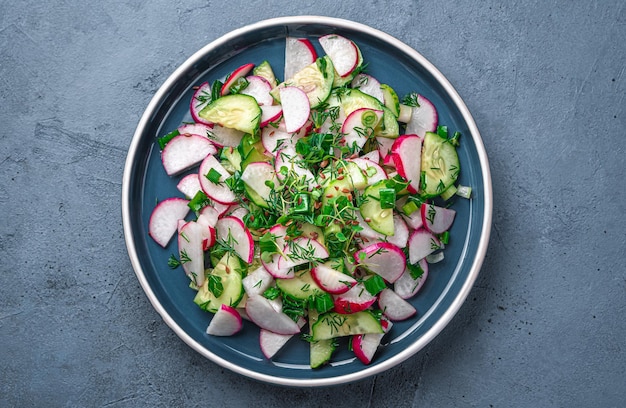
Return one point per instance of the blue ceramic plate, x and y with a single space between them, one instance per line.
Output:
145 182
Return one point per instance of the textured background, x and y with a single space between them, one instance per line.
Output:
544 325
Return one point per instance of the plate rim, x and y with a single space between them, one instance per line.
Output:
479 255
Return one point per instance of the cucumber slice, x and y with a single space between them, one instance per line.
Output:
353 177
440 165
228 270
391 99
353 99
388 127
301 287
316 80
379 219
320 350
238 111
264 70
332 325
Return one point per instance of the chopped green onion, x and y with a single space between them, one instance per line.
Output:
199 201
464 191
213 176
163 140
375 284
414 270
387 197
271 293
409 208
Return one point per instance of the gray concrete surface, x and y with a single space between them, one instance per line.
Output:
544 325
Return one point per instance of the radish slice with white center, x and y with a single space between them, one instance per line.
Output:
191 250
256 175
224 136
366 345
240 72
373 156
184 152
195 129
296 107
299 53
300 251
342 52
369 85
233 232
384 146
257 281
201 98
263 314
270 114
225 322
437 219
217 207
209 216
394 307
218 191
371 169
259 89
273 139
406 286
382 258
292 161
271 343
424 118
407 152
421 244
399 238
239 212
332 280
273 268
358 126
189 185
164 219
207 222
354 300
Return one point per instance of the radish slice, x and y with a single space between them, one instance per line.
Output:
292 161
256 174
394 307
332 280
259 89
296 107
407 151
191 250
272 139
423 118
240 72
369 85
366 345
371 169
384 146
184 152
195 129
270 114
257 281
299 53
201 98
373 156
189 185
421 244
219 191
406 287
225 322
354 300
207 222
358 126
233 231
342 52
382 258
271 343
437 219
164 219
262 313
300 251
224 136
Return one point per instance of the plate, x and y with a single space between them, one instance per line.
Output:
145 182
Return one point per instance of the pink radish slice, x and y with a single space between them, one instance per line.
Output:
366 345
271 343
223 136
342 52
382 258
233 231
259 89
374 172
184 152
300 251
394 307
354 300
359 125
399 239
257 281
208 230
195 129
407 151
373 156
406 287
384 146
369 85
299 53
414 220
189 185
296 107
239 212
262 313
291 160
219 191
332 280
201 98
423 118
208 216
240 72
273 138
270 114
163 221
215 206
437 219
256 174
275 270
191 250
421 244
225 322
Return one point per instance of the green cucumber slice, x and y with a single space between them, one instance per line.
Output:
301 287
378 218
332 325
316 80
321 350
264 70
228 272
392 101
238 111
440 164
